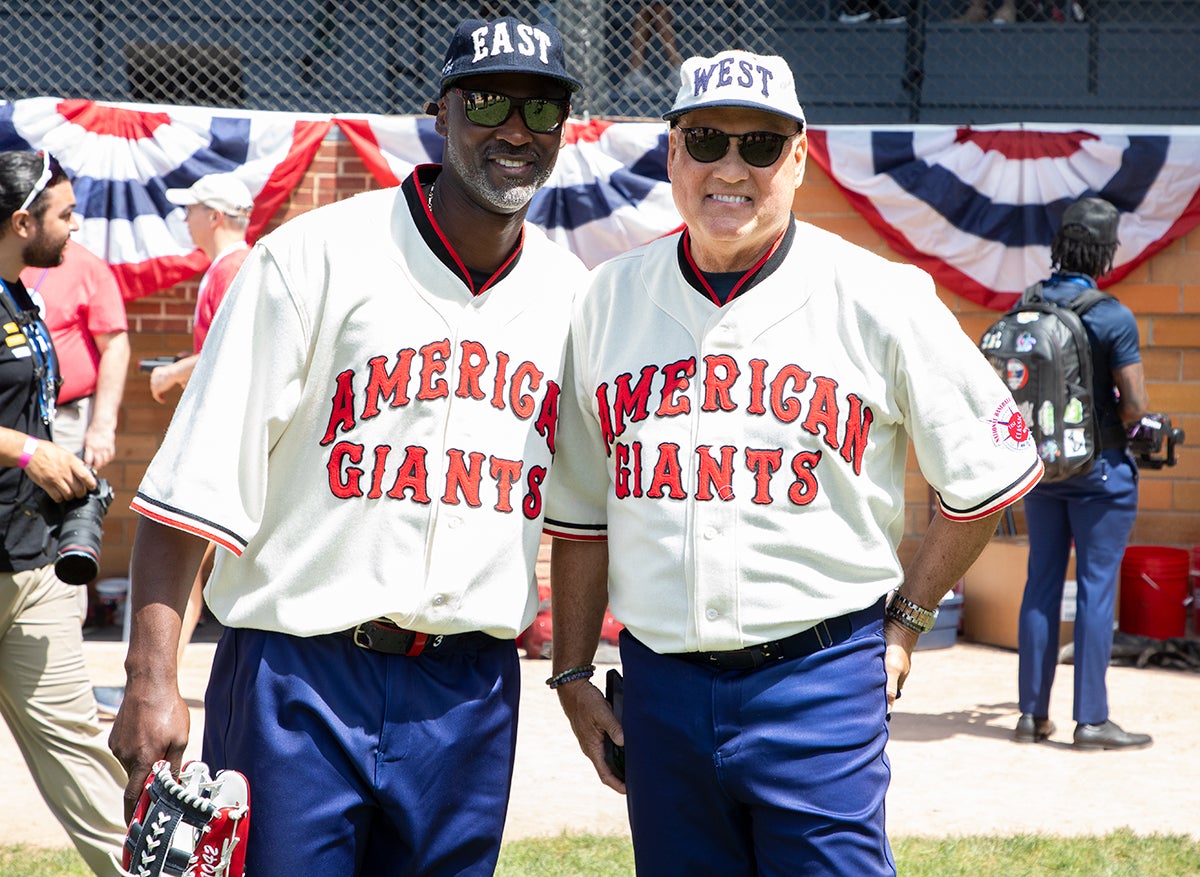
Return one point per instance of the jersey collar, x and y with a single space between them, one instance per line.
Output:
758 272
416 194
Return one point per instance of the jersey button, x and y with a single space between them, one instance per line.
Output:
711 614
439 600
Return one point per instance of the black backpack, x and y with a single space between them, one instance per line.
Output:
1040 350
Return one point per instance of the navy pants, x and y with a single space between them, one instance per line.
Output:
1097 511
775 772
361 763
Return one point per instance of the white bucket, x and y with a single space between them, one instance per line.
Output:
113 594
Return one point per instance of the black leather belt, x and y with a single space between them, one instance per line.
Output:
829 632
388 639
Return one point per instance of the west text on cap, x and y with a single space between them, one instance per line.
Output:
737 79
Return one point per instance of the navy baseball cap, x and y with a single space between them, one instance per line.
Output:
506 45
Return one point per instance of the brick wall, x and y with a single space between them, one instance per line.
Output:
1164 294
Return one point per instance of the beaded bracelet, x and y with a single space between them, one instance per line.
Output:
584 672
31 446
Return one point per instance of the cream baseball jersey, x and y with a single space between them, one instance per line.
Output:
368 435
747 463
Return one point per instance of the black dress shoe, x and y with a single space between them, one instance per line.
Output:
1031 729
1108 736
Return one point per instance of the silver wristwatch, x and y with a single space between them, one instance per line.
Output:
911 615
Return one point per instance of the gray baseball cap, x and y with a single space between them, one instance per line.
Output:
223 192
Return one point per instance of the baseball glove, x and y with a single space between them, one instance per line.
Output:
195 827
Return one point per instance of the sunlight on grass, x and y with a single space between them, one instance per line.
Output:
1120 854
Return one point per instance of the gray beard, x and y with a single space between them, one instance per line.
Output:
508 199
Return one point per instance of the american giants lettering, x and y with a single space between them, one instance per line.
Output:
390 428
764 441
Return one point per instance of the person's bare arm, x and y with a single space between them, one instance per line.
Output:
58 472
100 440
175 374
1130 381
579 598
947 551
153 722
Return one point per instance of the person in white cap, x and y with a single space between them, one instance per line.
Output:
217 211
730 474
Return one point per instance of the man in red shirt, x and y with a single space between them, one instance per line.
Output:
86 316
217 213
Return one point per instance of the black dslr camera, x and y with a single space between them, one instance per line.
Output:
1149 436
79 524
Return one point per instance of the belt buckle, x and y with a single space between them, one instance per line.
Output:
826 640
361 637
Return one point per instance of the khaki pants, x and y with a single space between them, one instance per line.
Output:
71 421
46 699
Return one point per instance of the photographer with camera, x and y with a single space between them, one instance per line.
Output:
45 692
1095 510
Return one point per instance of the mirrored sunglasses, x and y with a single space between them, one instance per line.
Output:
757 148
491 109
49 166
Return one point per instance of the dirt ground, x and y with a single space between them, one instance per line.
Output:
955 769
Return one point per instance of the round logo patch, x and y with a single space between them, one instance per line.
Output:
1016 374
1009 427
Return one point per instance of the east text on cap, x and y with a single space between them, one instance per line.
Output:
506 45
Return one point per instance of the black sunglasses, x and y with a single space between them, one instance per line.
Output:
491 109
757 148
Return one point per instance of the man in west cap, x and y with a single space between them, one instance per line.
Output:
730 474
367 437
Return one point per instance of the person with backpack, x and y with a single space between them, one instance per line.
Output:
1095 508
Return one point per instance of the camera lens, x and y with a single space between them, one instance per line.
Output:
78 560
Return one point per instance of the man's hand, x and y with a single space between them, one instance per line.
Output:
152 724
591 718
175 374
897 658
60 473
99 445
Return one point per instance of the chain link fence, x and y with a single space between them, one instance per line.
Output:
865 61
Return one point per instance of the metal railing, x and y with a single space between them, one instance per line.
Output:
869 61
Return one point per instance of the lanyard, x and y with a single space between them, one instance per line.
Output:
45 369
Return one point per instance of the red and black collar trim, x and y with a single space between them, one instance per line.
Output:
759 271
416 194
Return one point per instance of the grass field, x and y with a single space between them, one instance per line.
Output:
1120 854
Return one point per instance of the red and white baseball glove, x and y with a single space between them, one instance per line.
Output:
195 827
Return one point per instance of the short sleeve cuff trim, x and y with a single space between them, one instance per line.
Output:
575 532
180 520
1000 500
